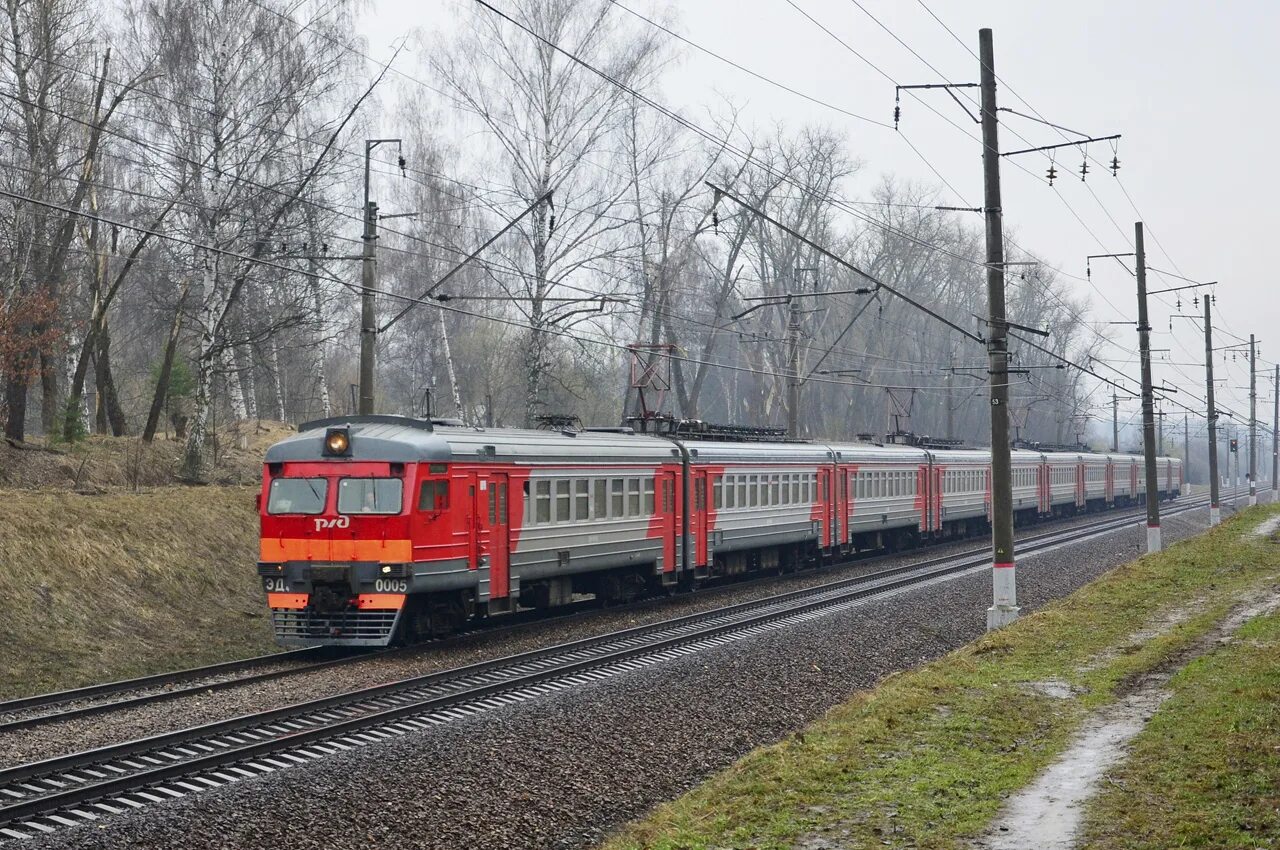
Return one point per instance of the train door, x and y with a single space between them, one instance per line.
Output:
825 508
841 525
499 515
699 526
666 507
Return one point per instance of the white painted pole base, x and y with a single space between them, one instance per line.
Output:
1215 515
999 616
1253 497
1153 539
1005 595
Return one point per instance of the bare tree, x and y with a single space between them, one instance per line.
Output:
550 121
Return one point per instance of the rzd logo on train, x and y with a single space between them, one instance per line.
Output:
336 522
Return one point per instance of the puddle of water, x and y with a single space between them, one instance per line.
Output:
1052 688
1046 815
1267 527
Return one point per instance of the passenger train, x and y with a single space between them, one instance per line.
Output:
385 529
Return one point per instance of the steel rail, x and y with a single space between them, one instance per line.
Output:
158 683
68 789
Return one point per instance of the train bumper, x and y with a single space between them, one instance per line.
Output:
372 622
333 615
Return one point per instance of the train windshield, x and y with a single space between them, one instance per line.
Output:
369 495
297 495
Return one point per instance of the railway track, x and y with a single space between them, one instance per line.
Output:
55 707
69 790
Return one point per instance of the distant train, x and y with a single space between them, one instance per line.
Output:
383 529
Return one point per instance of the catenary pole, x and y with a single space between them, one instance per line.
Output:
1275 439
1004 608
1115 422
1148 400
368 313
793 367
369 284
1253 422
1186 448
1215 510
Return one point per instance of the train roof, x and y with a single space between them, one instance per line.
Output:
518 444
398 439
405 440
719 451
872 453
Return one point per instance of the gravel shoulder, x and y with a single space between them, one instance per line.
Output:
565 770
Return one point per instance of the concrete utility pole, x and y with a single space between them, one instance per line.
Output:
369 283
1148 401
1186 448
1115 422
793 367
1253 422
1004 609
1215 511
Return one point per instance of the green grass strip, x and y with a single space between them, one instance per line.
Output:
926 758
1205 772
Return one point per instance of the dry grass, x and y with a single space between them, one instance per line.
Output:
97 464
122 584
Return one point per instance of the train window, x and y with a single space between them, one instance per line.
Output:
795 489
742 490
616 492
542 501
562 501
753 490
369 495
648 497
717 494
602 498
669 495
433 496
582 499
297 495
775 496
633 497
493 505
700 494
730 491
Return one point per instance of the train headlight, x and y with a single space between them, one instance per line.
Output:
337 442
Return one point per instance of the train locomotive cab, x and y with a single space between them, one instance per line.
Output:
344 506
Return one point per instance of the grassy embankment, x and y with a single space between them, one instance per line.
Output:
122 584
1206 770
926 758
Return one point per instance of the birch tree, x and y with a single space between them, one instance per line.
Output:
551 124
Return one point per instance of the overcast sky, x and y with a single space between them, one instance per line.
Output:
1192 87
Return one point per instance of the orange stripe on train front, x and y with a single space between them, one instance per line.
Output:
274 550
289 601
392 601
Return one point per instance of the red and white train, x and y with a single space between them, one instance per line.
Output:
378 529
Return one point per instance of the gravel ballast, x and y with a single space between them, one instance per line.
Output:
562 770
62 737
